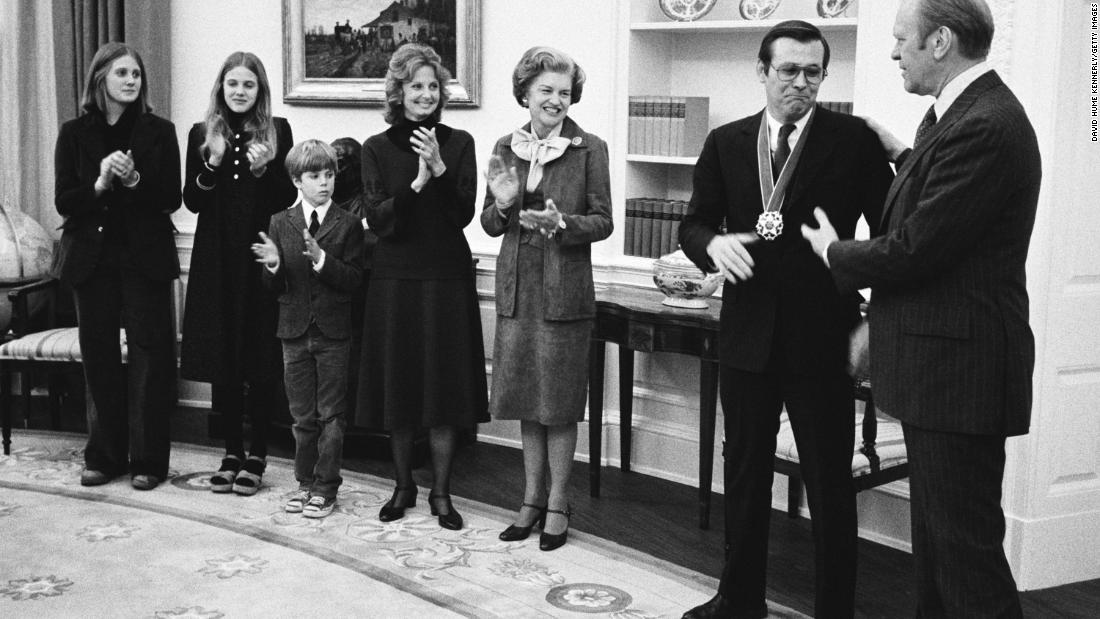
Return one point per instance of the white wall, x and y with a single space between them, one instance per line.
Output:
1052 489
204 32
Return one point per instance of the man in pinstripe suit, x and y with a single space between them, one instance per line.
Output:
950 347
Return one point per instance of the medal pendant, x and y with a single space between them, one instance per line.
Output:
769 225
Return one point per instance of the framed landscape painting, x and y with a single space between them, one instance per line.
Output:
335 52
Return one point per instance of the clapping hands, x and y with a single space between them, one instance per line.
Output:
117 165
266 252
502 182
545 221
259 155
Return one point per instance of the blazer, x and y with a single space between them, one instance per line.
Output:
81 146
951 348
306 296
579 183
789 315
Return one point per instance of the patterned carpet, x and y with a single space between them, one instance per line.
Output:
183 551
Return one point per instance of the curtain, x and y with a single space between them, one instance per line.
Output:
45 49
81 26
28 111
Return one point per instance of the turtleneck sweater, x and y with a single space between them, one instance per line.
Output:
420 234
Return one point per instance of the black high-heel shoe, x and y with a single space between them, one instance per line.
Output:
394 511
553 541
515 533
451 520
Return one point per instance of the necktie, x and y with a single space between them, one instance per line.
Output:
314 224
782 150
925 125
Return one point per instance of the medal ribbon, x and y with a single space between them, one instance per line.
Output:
772 192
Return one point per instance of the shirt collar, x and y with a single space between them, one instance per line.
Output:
774 125
957 85
307 209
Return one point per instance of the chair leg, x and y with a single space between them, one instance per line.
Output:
26 380
794 495
53 394
5 407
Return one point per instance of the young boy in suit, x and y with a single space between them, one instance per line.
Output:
313 257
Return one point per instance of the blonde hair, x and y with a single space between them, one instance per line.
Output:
95 83
258 120
310 156
405 62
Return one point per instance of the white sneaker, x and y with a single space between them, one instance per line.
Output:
297 501
318 506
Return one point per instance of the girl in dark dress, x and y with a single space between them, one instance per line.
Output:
423 360
235 181
118 182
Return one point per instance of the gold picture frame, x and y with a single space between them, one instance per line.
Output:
344 64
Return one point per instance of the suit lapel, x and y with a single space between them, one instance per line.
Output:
747 153
297 218
91 138
819 145
954 113
331 217
141 139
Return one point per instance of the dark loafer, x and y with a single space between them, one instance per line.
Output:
91 477
144 482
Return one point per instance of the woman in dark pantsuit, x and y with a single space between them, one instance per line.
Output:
118 182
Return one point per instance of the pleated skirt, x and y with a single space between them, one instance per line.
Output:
423 358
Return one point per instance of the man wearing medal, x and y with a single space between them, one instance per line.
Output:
784 325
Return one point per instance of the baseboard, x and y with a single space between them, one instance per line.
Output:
1053 551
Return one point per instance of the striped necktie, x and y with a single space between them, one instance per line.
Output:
925 125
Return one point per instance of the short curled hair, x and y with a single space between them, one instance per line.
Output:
310 156
539 60
970 20
405 62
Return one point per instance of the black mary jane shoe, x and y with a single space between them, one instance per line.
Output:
553 541
251 476
394 510
451 520
223 480
515 533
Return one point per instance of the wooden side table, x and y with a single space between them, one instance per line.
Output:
635 319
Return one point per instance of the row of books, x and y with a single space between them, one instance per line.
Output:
667 126
844 107
653 226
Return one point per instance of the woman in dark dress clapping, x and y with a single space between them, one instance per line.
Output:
423 360
550 197
117 184
235 181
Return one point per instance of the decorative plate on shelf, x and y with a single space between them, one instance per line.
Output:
686 10
832 8
758 9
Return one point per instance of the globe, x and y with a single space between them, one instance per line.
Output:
26 250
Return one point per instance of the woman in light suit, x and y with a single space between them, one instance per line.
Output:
549 195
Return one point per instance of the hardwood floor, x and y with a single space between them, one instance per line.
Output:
657 517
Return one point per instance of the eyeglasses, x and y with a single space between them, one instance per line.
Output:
788 73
